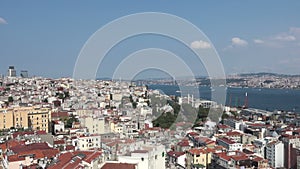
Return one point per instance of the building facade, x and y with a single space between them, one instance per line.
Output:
275 154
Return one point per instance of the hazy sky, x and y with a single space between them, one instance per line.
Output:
45 37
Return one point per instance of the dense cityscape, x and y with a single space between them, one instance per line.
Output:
150 84
67 123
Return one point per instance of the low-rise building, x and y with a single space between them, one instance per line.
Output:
198 157
230 145
87 142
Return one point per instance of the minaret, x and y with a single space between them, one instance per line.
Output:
246 100
192 100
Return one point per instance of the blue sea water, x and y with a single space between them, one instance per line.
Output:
260 98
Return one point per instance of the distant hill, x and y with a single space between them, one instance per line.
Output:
267 74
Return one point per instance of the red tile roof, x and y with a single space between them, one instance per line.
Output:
69 147
193 134
10 143
222 126
226 140
16 134
92 157
175 153
184 143
118 166
237 156
223 156
201 150
233 133
15 157
74 159
33 146
59 114
59 142
256 158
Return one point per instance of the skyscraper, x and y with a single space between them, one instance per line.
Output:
11 71
24 74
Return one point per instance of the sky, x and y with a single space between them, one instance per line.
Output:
46 37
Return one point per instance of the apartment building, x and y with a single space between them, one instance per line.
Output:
94 125
39 119
150 157
275 153
6 119
230 145
198 157
16 117
87 142
20 117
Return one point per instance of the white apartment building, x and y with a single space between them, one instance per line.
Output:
87 142
230 145
275 154
148 157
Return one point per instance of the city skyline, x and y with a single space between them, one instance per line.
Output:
46 38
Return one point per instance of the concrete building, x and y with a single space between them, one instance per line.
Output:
58 127
291 150
230 145
11 71
236 125
148 157
87 142
94 125
176 159
6 119
275 154
39 119
198 157
14 117
21 117
24 74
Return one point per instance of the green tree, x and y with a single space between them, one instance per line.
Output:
165 120
134 104
10 99
70 121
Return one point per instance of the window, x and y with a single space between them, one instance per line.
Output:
142 158
17 119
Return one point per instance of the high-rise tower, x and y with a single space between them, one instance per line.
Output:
11 71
